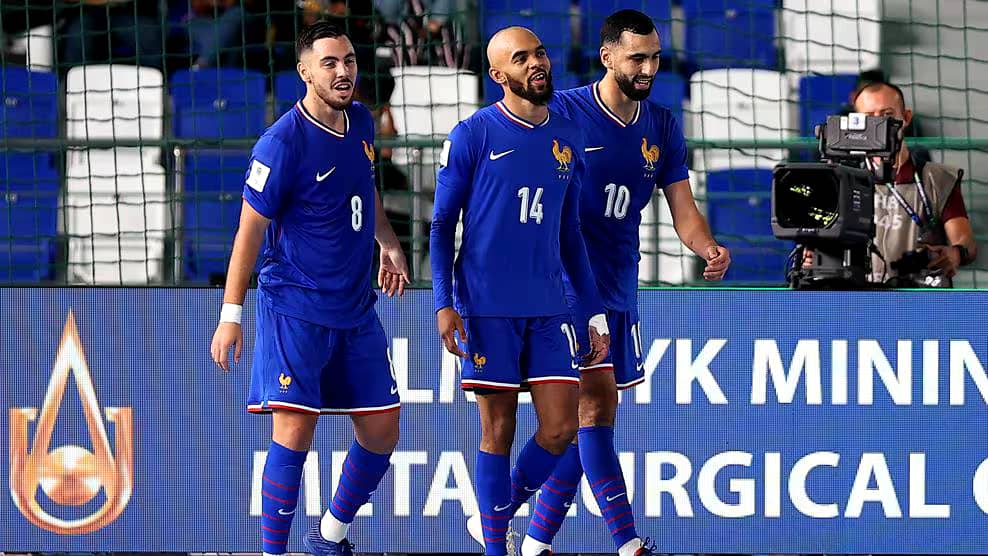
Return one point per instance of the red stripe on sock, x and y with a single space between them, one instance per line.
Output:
623 527
564 483
618 516
494 530
546 519
611 488
543 527
279 485
339 507
276 518
273 497
279 531
354 467
496 517
602 481
550 489
548 507
494 540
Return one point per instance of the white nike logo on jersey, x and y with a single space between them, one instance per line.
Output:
500 155
530 489
394 389
283 512
592 149
320 177
501 508
615 497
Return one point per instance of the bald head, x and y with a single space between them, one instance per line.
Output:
519 63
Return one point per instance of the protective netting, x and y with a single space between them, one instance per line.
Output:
126 125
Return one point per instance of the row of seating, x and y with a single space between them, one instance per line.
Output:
825 36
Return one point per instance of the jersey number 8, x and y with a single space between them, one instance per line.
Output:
356 213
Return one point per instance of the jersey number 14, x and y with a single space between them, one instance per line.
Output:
531 205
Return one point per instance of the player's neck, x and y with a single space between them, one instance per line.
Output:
614 98
326 114
526 109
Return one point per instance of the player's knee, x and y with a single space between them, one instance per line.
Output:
557 434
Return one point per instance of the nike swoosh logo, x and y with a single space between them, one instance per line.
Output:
530 489
283 512
501 508
592 149
615 497
500 155
394 389
320 177
567 504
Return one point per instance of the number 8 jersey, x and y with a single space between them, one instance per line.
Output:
517 184
625 161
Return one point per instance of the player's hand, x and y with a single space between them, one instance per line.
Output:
393 274
450 323
718 259
600 342
227 335
945 258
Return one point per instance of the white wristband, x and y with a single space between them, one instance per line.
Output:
231 313
599 323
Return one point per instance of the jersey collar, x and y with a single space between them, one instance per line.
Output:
312 119
607 111
519 120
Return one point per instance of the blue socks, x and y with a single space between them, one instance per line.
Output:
279 495
607 481
533 467
362 471
494 499
557 494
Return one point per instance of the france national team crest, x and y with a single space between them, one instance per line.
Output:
564 156
651 155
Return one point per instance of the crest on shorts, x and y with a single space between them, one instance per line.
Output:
285 381
479 361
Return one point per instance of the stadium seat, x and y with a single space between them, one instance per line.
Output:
288 88
831 36
218 103
596 11
116 217
740 216
29 188
115 102
38 46
212 190
669 90
722 34
821 96
740 104
549 18
30 103
428 102
664 258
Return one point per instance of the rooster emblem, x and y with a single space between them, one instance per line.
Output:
479 360
651 155
369 151
285 381
563 156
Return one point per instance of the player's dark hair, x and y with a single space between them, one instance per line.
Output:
625 20
875 85
311 33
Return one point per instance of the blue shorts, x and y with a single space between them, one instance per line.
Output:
514 353
625 356
306 367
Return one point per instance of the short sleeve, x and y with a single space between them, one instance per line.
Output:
674 166
269 176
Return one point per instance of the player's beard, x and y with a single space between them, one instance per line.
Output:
525 90
327 96
627 86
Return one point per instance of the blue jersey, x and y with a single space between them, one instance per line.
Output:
625 162
317 187
517 184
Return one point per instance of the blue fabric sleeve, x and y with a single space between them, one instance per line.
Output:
453 183
585 298
269 176
674 166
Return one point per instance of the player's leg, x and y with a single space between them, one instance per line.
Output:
283 382
598 406
358 381
492 371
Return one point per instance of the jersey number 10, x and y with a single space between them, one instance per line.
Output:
531 209
618 198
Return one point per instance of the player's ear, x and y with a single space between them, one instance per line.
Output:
605 57
497 75
907 118
303 72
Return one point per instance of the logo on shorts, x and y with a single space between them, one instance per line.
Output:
285 381
479 361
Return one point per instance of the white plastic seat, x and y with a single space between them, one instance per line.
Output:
831 36
38 46
741 104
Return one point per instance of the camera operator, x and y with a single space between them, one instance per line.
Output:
922 228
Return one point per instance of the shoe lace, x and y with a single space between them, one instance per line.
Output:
347 546
509 541
648 546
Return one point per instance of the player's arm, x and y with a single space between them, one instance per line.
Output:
690 225
456 168
267 184
393 273
576 263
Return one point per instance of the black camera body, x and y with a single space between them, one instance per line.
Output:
829 206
